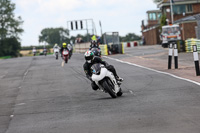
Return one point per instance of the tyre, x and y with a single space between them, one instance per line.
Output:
56 56
109 87
119 94
66 60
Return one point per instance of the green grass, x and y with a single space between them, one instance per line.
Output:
5 57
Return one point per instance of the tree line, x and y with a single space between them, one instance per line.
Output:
52 36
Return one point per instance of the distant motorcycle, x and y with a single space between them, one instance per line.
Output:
105 80
65 55
96 51
34 52
45 53
56 52
70 48
70 53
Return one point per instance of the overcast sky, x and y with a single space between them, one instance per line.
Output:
124 16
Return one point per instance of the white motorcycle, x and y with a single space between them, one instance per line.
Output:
56 52
105 80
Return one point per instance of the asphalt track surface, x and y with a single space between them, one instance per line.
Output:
38 95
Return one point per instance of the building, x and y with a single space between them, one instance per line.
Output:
182 11
150 31
183 14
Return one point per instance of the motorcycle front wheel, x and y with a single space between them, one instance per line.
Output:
66 60
109 87
56 56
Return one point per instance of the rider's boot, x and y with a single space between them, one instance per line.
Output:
119 79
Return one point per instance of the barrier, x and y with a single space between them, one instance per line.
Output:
130 44
189 44
196 60
104 49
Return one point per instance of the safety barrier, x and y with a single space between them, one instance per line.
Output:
130 44
104 49
189 44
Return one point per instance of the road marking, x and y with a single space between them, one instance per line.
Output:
26 73
19 104
3 76
172 75
63 63
131 91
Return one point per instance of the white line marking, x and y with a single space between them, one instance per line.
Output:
19 104
63 63
197 83
131 91
26 73
2 76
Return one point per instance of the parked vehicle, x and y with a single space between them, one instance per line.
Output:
105 80
65 55
170 33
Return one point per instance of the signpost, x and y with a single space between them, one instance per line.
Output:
84 24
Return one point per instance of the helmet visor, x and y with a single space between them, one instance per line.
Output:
89 58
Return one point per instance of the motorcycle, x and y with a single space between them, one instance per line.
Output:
96 51
70 48
56 52
34 52
70 53
45 53
65 55
105 80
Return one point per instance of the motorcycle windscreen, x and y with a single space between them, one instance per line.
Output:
99 77
65 52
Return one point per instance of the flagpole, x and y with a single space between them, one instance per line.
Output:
172 15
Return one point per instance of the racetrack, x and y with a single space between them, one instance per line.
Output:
38 95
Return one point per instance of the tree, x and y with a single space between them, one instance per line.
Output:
157 1
130 37
11 47
54 35
9 25
163 21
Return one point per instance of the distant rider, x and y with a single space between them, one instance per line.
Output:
56 47
94 43
64 46
90 60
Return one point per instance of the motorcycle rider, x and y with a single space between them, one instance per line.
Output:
55 47
94 43
34 51
45 50
90 60
70 48
64 46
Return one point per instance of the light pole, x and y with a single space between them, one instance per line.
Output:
172 15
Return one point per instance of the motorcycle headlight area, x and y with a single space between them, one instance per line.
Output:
95 72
